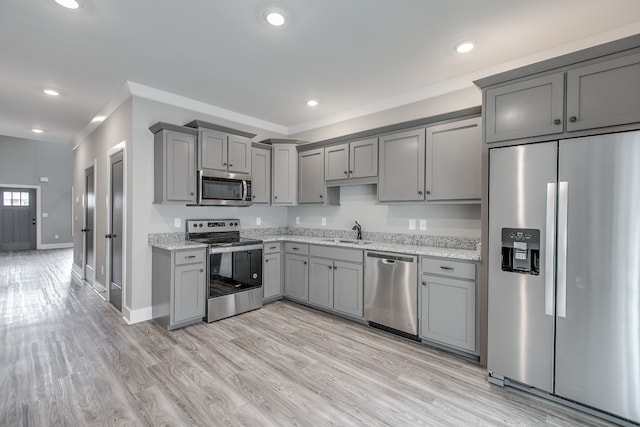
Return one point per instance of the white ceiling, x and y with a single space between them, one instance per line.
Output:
354 56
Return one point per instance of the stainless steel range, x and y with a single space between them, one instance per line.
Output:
234 268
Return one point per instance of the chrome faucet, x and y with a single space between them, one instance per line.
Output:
358 227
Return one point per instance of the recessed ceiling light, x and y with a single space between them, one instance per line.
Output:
69 4
312 103
464 46
51 92
34 130
274 18
98 119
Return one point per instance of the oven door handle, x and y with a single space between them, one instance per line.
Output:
227 249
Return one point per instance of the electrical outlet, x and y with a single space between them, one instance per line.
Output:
258 220
423 224
297 220
45 215
177 222
412 224
57 236
324 221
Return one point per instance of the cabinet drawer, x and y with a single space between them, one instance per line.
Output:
340 254
272 248
442 267
189 257
296 248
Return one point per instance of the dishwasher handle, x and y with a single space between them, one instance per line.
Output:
388 261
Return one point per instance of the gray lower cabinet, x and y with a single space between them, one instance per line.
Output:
604 94
336 279
311 186
284 187
448 303
402 163
178 286
272 271
174 165
454 161
296 271
527 108
261 176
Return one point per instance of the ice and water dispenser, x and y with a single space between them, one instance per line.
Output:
521 250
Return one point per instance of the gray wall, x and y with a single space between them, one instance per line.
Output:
24 162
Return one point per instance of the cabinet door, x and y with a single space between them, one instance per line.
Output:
261 175
348 288
604 94
336 162
448 311
363 158
454 160
402 167
529 108
285 174
311 186
189 292
271 276
239 154
212 149
296 277
180 167
321 282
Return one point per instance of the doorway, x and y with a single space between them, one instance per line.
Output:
18 220
116 229
89 225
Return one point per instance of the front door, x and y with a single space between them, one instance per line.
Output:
89 213
18 219
115 252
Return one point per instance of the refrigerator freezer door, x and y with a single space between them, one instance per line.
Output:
598 342
521 335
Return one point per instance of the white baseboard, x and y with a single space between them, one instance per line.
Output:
55 245
136 316
76 271
99 287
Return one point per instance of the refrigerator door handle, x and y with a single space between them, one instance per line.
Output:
563 199
549 258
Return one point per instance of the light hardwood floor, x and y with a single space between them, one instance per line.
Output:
67 358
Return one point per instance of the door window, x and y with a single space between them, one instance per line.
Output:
15 198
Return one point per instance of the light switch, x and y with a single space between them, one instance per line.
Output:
44 179
177 222
423 224
45 214
412 224
297 220
258 220
324 221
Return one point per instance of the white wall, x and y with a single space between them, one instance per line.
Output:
359 203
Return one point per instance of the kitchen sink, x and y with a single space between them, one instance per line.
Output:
352 241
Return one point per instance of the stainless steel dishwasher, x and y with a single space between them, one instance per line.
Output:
391 291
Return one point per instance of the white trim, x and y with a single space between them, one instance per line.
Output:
137 316
38 210
119 147
56 245
98 287
84 220
76 272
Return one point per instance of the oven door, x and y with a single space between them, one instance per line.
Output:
234 281
223 189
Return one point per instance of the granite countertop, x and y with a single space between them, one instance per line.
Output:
179 244
452 253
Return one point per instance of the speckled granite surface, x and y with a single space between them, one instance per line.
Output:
462 248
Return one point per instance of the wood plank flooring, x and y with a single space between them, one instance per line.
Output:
68 359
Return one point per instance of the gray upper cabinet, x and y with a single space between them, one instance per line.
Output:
285 174
336 162
357 159
524 109
402 163
311 176
222 151
604 94
174 165
453 161
261 175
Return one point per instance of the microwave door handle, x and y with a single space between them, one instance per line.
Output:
245 189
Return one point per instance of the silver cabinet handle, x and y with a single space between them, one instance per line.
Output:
230 164
557 121
190 257
549 265
563 198
201 270
573 119
305 262
444 267
345 172
420 192
424 283
266 260
329 267
272 247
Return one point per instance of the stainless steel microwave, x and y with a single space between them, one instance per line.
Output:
216 188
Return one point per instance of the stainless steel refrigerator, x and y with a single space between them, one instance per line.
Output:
564 270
